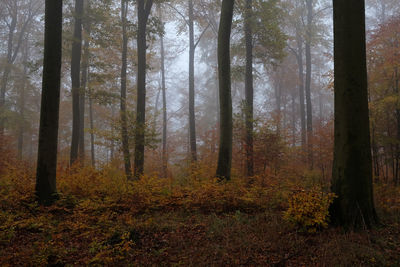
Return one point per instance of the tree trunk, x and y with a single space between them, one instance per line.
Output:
12 54
124 123
75 79
164 102
22 101
397 156
352 167
224 75
7 68
82 95
144 8
308 84
293 119
45 189
301 89
192 119
249 91
92 151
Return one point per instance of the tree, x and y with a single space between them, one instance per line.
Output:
17 17
143 11
383 76
22 100
84 81
352 166
309 4
164 100
75 79
249 90
124 124
192 117
189 21
48 132
225 98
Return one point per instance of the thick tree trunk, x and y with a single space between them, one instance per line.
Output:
249 91
308 84
224 75
124 123
45 189
144 8
192 118
352 167
75 79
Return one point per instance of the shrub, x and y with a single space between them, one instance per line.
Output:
309 209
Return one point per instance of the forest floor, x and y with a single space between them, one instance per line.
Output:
101 219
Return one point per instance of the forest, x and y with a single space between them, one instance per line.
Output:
200 133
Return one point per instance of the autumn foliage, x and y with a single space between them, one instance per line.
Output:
103 219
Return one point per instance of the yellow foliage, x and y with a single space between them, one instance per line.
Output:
309 209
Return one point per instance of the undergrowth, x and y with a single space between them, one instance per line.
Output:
103 219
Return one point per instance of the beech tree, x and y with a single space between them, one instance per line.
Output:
75 79
352 166
124 124
48 132
249 90
143 11
225 98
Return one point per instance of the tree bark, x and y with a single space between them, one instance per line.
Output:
224 75
249 90
92 149
352 167
192 118
124 123
144 8
308 83
84 78
75 79
24 81
299 57
45 189
7 68
164 102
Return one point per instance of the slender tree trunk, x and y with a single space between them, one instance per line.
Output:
301 89
82 95
397 156
75 79
144 8
124 123
224 75
192 118
249 91
12 53
7 69
293 119
308 83
21 129
164 101
352 167
92 149
45 189
278 99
